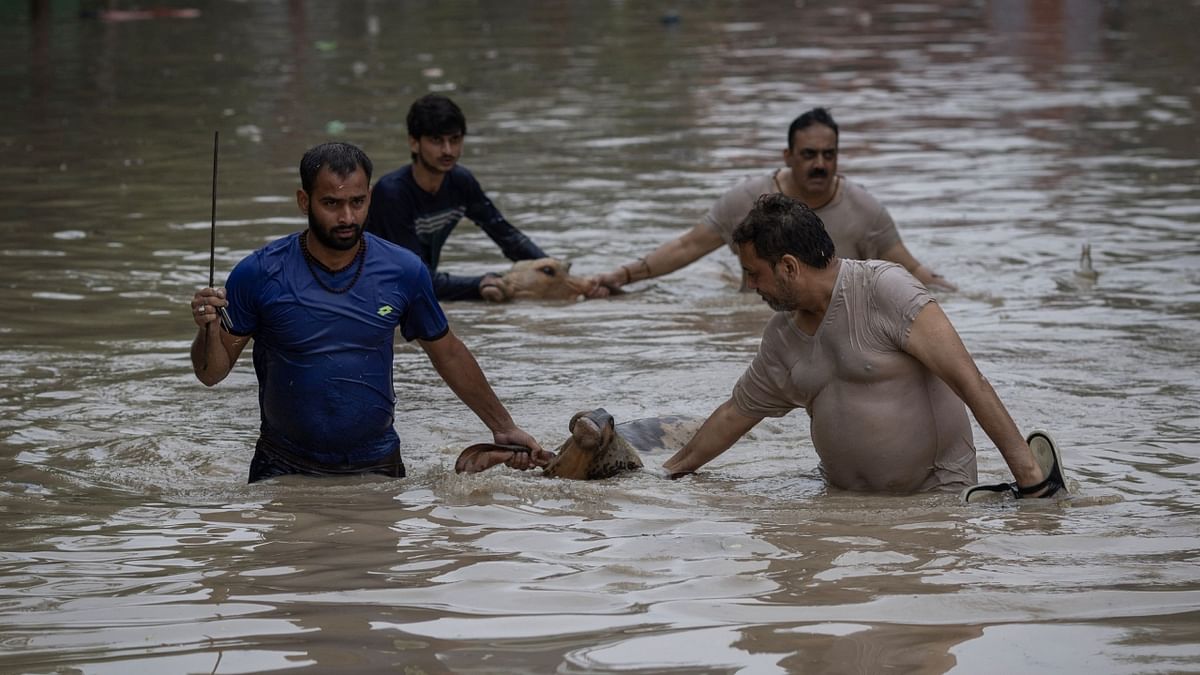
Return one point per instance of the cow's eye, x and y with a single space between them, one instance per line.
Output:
547 270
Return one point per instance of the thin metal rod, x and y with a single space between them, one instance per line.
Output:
212 243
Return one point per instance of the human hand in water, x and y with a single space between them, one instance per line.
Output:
491 288
523 461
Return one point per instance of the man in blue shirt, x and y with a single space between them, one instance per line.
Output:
323 306
418 205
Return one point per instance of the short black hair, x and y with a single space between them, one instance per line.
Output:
806 120
779 225
341 158
435 115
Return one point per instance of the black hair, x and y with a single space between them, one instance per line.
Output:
435 115
814 116
779 225
340 158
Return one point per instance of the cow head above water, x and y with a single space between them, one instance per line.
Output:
541 279
597 448
594 450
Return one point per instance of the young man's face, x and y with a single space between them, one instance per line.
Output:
337 208
813 158
438 154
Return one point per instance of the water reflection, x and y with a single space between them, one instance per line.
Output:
1002 135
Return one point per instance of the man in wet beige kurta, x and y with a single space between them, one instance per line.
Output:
862 346
860 227
880 420
858 224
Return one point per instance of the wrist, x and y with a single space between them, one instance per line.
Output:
502 426
644 268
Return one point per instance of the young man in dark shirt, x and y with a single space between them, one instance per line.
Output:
418 206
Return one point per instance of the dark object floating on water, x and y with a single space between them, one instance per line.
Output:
120 15
1085 270
670 18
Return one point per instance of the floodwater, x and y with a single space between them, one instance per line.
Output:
1003 135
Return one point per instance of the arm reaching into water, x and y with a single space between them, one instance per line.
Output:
670 256
899 254
934 342
461 372
718 433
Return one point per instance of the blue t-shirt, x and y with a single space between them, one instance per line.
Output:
404 213
323 359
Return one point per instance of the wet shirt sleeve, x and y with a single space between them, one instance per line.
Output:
897 300
880 233
242 290
423 317
512 242
764 389
731 208
451 287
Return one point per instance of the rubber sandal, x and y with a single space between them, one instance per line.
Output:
1048 457
1045 450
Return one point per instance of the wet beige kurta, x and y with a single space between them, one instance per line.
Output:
859 225
880 420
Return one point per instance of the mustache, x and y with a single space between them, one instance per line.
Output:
818 173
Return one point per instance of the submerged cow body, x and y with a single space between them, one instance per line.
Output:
540 279
597 448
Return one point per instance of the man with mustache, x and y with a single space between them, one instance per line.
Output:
419 205
860 226
865 349
323 307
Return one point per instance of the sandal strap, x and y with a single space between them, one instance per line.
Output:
1050 482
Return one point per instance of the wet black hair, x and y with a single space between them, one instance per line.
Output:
340 158
806 120
779 225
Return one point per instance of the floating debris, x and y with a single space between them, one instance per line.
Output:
1085 270
249 131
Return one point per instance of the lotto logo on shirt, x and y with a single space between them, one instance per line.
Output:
384 310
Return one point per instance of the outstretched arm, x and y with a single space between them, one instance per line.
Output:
934 342
512 242
670 256
461 372
450 287
718 433
899 254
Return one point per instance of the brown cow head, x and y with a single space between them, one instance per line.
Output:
541 279
595 450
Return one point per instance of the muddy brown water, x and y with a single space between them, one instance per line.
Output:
1002 136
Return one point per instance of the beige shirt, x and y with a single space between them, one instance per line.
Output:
858 224
879 419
